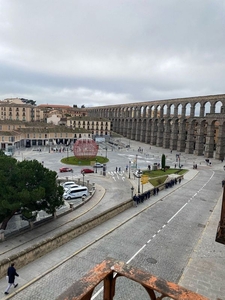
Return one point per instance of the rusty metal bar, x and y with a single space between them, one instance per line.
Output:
83 289
110 269
220 235
152 283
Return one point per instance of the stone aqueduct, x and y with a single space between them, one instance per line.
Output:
194 125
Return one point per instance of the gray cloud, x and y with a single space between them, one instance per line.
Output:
110 52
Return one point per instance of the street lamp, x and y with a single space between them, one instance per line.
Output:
67 152
136 160
138 176
129 168
83 176
96 166
106 151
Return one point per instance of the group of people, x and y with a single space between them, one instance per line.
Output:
172 182
140 198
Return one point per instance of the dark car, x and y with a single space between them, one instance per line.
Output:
65 169
87 171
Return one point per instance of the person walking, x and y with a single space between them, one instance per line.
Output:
11 273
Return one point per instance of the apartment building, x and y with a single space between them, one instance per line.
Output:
97 126
16 134
15 109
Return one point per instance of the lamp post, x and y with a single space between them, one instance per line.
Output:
67 152
106 151
139 173
129 168
96 166
83 176
136 160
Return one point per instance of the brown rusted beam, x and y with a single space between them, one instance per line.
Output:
83 289
152 283
220 235
110 269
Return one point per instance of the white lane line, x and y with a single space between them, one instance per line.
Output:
177 213
136 254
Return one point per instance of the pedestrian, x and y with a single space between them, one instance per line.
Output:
116 169
11 273
224 168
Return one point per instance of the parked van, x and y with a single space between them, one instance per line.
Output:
77 192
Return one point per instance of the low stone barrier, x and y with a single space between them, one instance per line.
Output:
28 255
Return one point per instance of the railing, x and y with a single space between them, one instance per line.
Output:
110 269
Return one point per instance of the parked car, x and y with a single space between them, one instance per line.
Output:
68 184
98 165
87 171
65 169
70 187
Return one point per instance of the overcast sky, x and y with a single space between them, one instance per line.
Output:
105 52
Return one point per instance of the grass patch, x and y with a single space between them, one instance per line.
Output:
158 177
160 172
157 181
72 160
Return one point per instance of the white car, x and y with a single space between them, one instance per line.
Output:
98 165
68 184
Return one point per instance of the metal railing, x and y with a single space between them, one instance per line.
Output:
110 269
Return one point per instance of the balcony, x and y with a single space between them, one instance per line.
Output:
110 269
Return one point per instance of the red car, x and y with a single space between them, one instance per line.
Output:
65 169
87 171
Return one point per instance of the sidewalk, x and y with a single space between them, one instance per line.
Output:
204 273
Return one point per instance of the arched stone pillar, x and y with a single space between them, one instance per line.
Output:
220 146
129 127
199 142
148 131
138 130
192 112
174 135
202 110
175 115
181 136
154 131
133 129
209 146
190 137
166 135
143 131
159 140
212 108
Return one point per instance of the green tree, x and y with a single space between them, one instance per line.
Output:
163 162
27 186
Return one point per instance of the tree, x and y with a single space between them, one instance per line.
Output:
163 162
27 186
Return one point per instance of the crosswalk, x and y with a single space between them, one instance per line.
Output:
117 175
